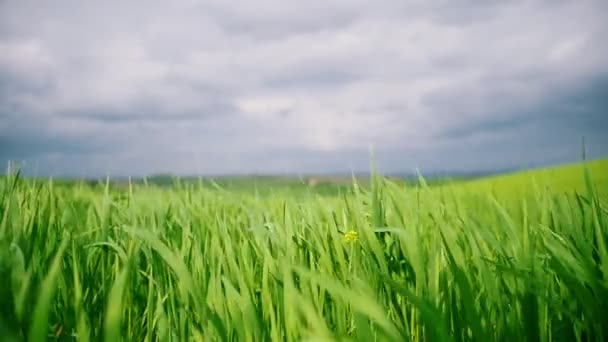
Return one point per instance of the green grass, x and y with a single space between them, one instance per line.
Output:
562 178
518 257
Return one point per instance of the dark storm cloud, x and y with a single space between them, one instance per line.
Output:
24 146
26 138
580 108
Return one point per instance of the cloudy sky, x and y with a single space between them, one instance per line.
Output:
91 88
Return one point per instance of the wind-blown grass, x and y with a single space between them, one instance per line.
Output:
190 263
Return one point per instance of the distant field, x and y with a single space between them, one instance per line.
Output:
561 178
568 177
518 257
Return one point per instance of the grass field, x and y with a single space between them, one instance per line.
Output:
565 178
519 257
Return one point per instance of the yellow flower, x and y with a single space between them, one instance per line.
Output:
351 236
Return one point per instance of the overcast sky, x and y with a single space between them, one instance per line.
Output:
93 88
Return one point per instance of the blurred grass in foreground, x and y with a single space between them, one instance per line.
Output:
518 257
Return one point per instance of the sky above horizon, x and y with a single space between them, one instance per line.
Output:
274 86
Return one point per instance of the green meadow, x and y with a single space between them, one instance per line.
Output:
515 257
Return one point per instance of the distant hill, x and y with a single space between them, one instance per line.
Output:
568 177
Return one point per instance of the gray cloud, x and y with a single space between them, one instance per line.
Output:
272 86
150 109
322 77
17 148
580 108
25 137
